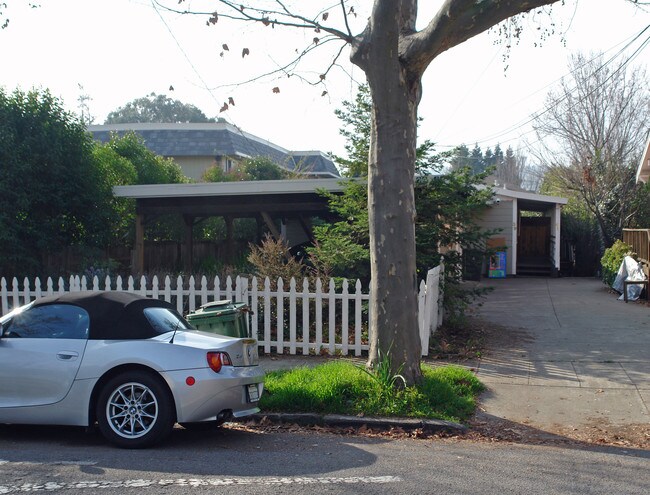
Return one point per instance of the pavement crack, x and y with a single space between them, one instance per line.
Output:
550 297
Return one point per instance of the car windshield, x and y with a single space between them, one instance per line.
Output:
165 320
14 312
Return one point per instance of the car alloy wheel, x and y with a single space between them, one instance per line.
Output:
132 410
135 410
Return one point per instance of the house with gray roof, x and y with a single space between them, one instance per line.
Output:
199 146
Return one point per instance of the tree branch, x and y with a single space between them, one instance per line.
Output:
248 13
345 18
289 66
456 22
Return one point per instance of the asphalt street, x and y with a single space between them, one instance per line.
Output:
66 460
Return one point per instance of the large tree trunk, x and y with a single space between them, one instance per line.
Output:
394 331
394 56
391 211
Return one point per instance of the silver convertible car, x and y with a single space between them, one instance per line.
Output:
129 363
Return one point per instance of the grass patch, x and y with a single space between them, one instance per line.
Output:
447 392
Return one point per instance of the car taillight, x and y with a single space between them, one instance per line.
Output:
217 360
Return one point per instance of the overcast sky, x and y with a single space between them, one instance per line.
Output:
119 50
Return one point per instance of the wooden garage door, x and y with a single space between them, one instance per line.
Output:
534 237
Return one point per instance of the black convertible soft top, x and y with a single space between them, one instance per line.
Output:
113 315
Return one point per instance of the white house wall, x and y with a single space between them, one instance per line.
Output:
500 216
194 166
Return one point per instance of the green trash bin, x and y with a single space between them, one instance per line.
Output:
221 317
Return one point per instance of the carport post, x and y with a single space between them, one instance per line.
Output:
188 257
137 267
230 247
556 220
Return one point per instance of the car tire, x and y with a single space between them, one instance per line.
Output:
135 410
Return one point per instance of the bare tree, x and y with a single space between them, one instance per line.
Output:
393 55
591 133
513 170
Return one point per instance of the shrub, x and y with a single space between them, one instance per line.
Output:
612 259
272 259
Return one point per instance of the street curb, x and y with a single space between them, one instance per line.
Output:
307 419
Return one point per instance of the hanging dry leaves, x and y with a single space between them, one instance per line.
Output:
223 108
276 90
316 40
231 101
213 19
245 52
266 21
225 47
323 93
322 77
171 88
325 15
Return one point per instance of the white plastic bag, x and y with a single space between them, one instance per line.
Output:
629 270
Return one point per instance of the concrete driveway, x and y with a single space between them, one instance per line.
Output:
570 356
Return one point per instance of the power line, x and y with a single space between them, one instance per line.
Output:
509 130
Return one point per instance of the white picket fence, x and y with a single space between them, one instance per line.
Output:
311 319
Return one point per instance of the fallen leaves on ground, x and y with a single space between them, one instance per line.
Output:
493 431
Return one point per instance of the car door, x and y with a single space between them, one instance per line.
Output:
41 349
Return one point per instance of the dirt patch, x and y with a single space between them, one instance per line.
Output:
597 433
476 338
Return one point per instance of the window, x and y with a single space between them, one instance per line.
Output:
53 321
164 320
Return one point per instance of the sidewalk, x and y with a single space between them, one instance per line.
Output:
572 356
575 356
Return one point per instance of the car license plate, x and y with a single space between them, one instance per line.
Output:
253 393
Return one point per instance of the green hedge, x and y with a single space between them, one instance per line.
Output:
612 259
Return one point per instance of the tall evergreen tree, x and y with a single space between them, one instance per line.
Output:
509 170
460 158
356 131
488 158
476 160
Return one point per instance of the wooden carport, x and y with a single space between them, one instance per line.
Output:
265 201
